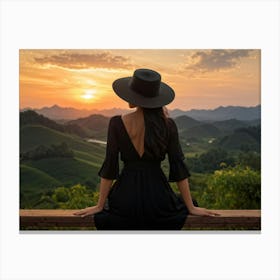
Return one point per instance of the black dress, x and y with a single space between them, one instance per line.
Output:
141 197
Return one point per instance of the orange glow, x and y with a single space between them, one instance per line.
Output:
83 78
89 94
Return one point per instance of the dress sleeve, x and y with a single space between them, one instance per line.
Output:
177 167
110 166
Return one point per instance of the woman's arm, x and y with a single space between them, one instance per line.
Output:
109 169
184 189
105 186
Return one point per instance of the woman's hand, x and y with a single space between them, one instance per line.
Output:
88 211
198 211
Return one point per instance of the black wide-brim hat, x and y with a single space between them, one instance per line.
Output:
144 89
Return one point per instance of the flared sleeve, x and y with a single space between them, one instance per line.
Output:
178 170
110 166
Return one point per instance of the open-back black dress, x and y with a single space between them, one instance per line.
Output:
141 197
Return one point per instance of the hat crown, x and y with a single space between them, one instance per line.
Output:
146 82
144 89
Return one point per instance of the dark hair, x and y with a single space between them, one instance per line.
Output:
156 132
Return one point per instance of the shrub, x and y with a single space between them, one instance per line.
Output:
233 188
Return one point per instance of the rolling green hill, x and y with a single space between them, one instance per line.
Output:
35 180
33 184
201 131
229 125
32 136
41 176
69 171
31 117
240 140
91 154
95 125
185 122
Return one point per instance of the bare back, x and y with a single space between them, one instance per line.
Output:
135 127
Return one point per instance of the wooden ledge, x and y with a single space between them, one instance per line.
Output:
228 219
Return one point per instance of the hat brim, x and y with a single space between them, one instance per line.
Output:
122 89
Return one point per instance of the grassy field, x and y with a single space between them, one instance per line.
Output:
38 177
33 184
35 135
69 171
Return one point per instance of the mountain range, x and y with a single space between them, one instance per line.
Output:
221 113
43 142
95 126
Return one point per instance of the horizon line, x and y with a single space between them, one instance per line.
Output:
120 108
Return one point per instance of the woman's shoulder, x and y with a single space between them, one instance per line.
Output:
114 121
114 118
172 126
118 119
171 122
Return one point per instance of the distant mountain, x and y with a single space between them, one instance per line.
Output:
230 125
95 125
30 117
256 122
56 112
229 134
201 131
189 127
95 122
185 122
242 139
221 113
177 113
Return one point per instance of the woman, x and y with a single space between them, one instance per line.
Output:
141 197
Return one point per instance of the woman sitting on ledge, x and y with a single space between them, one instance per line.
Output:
141 197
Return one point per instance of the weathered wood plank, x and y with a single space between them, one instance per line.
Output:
244 219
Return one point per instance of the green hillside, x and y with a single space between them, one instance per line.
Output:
31 117
201 131
51 156
88 157
185 122
33 184
35 180
95 125
69 171
32 136
229 125
43 175
239 140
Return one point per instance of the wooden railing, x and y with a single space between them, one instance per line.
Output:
55 219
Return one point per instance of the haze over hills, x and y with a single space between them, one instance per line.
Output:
56 112
95 126
219 114
54 155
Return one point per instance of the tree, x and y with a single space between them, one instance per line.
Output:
75 197
210 161
233 188
40 152
251 159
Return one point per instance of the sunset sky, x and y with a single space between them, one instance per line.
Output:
202 79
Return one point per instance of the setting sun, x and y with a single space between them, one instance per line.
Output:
83 78
89 94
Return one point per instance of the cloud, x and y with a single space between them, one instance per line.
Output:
74 60
215 60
